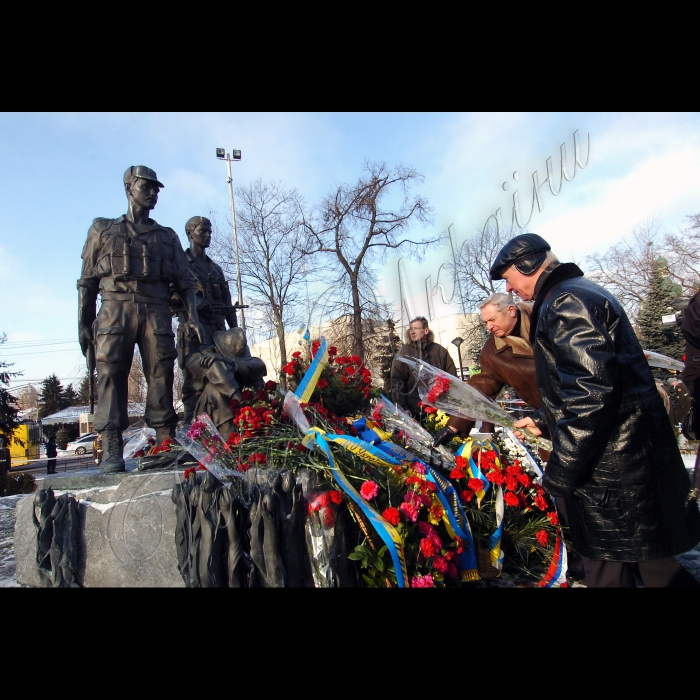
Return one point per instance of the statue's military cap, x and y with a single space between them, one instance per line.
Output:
142 171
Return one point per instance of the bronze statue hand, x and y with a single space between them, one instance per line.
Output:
85 338
195 328
208 359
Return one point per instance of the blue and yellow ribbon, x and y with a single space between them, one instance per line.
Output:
475 473
383 527
494 540
456 523
308 383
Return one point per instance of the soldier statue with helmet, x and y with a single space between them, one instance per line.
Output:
213 306
133 263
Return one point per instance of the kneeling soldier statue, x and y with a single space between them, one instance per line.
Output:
219 371
131 262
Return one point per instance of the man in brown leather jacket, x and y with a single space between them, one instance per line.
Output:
420 342
506 359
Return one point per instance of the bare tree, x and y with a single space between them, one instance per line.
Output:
272 241
357 224
473 262
683 253
626 268
137 380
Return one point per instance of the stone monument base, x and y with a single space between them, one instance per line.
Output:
127 531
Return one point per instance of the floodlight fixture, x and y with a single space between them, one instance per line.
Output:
235 155
458 341
221 153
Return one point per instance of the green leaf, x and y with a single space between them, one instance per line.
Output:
356 556
369 581
379 564
382 551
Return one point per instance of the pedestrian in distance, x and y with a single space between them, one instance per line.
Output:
615 459
51 453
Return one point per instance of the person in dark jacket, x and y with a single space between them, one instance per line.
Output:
420 343
690 327
615 460
506 359
51 453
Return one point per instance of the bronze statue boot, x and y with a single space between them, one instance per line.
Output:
113 452
162 434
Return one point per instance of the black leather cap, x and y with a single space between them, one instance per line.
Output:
526 251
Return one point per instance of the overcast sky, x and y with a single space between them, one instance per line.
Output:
60 171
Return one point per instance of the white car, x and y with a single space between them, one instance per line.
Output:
82 444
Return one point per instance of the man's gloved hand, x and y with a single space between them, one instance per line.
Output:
443 436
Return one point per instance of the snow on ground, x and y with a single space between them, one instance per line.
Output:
7 545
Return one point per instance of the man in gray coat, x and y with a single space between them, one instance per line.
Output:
615 462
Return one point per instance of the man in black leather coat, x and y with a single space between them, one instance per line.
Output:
615 461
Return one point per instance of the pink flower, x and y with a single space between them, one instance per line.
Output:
440 564
369 490
422 582
410 511
425 528
418 467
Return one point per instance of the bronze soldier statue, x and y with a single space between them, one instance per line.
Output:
213 306
132 261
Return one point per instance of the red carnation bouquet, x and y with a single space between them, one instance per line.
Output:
455 397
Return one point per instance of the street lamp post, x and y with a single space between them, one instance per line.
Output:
458 341
222 155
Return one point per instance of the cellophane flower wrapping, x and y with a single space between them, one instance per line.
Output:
411 433
204 443
450 394
139 443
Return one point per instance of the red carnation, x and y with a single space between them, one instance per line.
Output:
288 369
336 497
475 484
427 547
540 503
457 473
328 518
525 480
349 370
188 471
369 490
542 537
332 351
322 384
553 517
467 495
296 354
510 499
392 515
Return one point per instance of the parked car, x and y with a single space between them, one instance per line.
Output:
82 444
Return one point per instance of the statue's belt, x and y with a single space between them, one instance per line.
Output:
130 296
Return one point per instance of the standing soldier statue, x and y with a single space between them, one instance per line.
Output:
213 306
132 261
